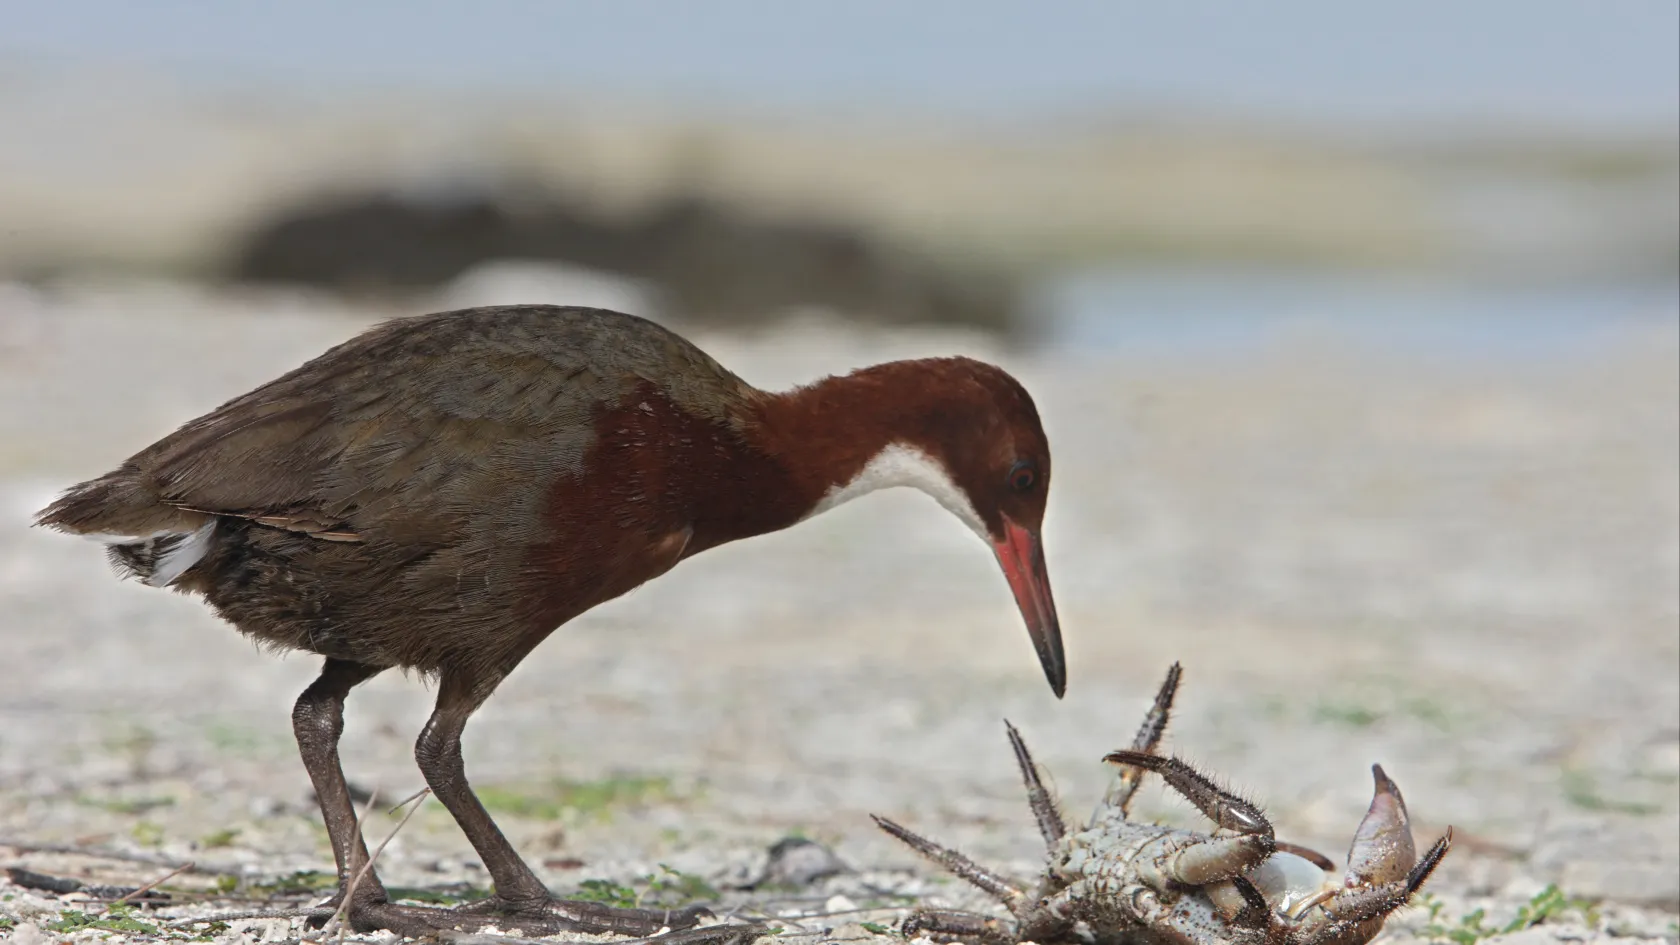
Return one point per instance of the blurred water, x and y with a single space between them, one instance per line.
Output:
1231 310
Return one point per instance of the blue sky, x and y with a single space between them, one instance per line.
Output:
1588 61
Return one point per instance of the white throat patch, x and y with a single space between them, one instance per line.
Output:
900 465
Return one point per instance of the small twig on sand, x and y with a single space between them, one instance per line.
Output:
802 916
722 934
239 916
153 884
59 885
337 920
873 890
406 801
107 853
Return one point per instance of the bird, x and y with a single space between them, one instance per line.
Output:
441 492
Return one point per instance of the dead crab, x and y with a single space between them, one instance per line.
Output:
1122 881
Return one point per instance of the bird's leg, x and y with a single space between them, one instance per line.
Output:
317 721
519 893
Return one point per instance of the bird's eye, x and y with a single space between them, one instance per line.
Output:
1022 476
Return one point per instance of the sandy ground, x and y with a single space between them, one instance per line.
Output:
1468 571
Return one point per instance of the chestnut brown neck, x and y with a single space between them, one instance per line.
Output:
806 450
825 433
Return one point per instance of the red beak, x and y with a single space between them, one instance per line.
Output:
1021 555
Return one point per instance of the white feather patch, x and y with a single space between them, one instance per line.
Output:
900 465
106 538
175 562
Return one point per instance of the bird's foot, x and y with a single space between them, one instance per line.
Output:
549 916
543 917
374 914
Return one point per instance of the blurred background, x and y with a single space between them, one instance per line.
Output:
1353 325
1066 173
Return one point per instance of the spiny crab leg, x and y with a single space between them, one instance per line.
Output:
1148 739
1219 805
1215 858
989 882
1044 809
1256 912
963 926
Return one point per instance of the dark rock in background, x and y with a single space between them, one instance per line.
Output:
708 263
796 862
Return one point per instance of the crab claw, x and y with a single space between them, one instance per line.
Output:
1382 850
1383 874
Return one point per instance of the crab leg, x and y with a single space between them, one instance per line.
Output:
1090 903
989 882
1215 858
1256 912
961 926
1221 806
1044 809
1148 738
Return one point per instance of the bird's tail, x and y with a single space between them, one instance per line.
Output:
144 537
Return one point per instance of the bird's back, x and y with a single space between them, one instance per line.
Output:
382 433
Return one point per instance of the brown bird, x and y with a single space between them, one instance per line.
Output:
441 492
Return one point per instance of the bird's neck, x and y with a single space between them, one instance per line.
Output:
844 437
